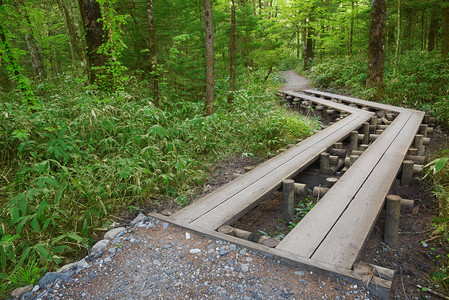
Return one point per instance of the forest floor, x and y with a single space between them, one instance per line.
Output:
157 260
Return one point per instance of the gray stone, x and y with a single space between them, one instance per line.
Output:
232 247
111 234
195 251
303 281
244 267
82 264
35 289
223 252
299 273
52 276
107 260
157 262
22 290
66 268
100 246
165 225
140 217
187 236
243 251
112 250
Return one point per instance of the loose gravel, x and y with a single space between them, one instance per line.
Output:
156 260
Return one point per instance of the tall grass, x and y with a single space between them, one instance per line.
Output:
71 167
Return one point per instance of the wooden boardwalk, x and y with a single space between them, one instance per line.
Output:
333 234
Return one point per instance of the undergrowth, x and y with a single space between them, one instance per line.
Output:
72 166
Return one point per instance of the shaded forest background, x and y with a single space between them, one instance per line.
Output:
113 105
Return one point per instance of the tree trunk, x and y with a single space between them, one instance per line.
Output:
69 26
351 33
36 58
77 35
376 47
153 52
445 35
208 27
423 29
95 37
398 38
232 54
433 31
308 53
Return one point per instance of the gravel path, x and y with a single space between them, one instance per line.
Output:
156 260
295 82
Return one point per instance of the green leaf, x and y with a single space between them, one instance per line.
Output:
440 163
35 225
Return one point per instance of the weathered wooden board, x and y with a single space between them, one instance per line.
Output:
306 237
238 188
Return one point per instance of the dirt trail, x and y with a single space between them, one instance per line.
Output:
295 82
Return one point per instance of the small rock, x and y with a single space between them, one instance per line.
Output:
22 290
167 212
425 245
107 260
303 282
187 236
355 286
223 252
299 273
132 241
112 250
52 276
232 247
26 295
244 267
111 234
140 217
249 259
100 246
137 241
195 251
35 289
243 251
65 268
82 264
157 262
165 225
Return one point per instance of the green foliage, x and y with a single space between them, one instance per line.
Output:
420 72
85 156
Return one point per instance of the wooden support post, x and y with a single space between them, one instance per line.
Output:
335 168
365 130
420 160
235 175
319 110
364 147
247 169
330 115
419 143
354 140
430 130
423 129
338 152
426 119
352 159
357 152
319 192
333 159
338 145
418 169
413 151
226 230
373 137
288 203
426 141
301 189
390 116
385 121
382 127
374 123
324 163
330 181
407 172
391 236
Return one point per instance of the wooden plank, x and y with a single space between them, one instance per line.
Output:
210 201
337 106
306 237
380 287
358 101
239 204
347 237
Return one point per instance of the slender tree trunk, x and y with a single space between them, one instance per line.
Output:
298 43
433 30
423 30
398 38
77 35
308 53
209 30
232 53
409 32
36 58
351 33
153 52
70 35
445 35
376 47
95 36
